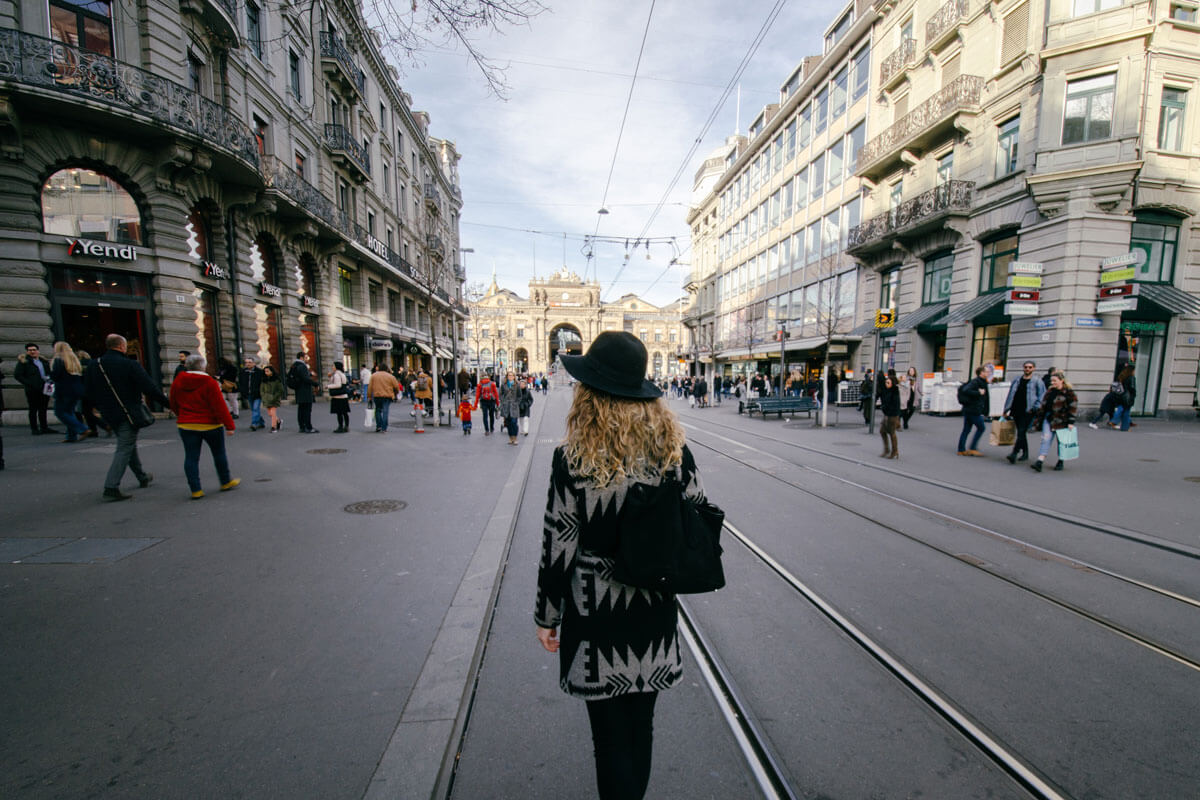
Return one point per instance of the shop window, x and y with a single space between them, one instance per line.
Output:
1089 109
993 276
989 345
939 272
81 202
1157 236
87 25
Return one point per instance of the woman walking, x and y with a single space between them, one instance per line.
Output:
510 405
524 406
1056 413
67 375
618 433
889 401
227 374
339 397
910 395
272 396
201 413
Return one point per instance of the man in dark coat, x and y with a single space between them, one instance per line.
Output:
115 384
974 399
33 373
464 383
301 381
866 396
250 380
183 354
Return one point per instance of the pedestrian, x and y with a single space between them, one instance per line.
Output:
910 395
510 405
116 385
250 390
86 412
33 373
866 396
972 395
464 415
227 374
832 379
618 433
67 375
524 406
463 382
487 397
889 406
201 414
545 384
301 381
1023 401
183 354
1057 412
338 388
364 379
1129 383
384 388
272 396
423 391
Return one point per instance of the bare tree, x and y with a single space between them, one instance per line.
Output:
408 28
830 293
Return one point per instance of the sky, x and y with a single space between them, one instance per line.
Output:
540 159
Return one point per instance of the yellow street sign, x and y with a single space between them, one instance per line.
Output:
885 318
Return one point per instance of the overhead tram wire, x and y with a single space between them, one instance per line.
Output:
712 117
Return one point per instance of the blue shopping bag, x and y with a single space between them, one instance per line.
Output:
1068 444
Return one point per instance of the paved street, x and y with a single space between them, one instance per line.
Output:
266 643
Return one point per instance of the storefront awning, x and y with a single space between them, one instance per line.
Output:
424 348
970 310
1175 301
864 328
911 319
444 353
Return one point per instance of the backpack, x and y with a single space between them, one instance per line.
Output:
1117 388
293 378
964 396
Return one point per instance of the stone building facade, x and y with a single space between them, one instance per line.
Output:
563 314
226 178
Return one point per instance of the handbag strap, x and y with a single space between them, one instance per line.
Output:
114 392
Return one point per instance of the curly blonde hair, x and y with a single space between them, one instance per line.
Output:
611 439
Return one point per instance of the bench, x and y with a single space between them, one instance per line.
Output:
781 406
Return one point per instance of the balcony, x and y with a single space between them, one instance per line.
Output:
346 150
69 78
219 16
896 62
339 65
436 248
433 198
923 126
302 198
943 25
913 217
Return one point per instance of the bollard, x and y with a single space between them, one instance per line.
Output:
419 414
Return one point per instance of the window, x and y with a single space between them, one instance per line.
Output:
817 176
939 269
1016 26
777 153
790 140
855 140
896 195
254 33
861 68
775 201
785 256
830 235
371 222
1170 119
839 30
822 109
199 235
1183 13
1092 6
838 94
87 25
294 75
801 183
373 296
805 126
346 287
851 217
945 168
1157 236
1089 109
990 345
301 170
1006 147
260 136
87 204
195 72
889 288
786 210
812 250
993 274
835 164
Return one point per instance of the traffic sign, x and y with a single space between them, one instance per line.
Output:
1021 309
1024 295
1117 275
1025 281
1121 304
1025 267
1124 290
885 318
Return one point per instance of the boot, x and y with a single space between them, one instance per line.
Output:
1036 466
1058 467
1011 457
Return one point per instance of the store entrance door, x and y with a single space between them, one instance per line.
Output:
1143 342
85 326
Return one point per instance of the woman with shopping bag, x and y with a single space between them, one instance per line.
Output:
1056 418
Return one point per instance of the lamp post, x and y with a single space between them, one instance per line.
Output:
454 332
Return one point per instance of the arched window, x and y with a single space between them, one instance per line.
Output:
262 260
84 203
306 275
199 235
658 364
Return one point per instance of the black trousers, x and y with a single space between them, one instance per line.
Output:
1021 445
304 416
38 403
622 738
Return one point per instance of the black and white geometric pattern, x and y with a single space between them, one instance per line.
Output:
614 639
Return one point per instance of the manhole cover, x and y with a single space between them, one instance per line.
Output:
375 506
849 444
325 451
1150 460
1193 478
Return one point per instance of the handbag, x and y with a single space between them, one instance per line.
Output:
1068 444
141 416
667 541
48 388
1003 433
337 391
228 386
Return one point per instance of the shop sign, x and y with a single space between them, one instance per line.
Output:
1120 304
1144 327
270 290
837 349
1024 295
83 247
347 343
413 349
1044 323
379 344
1117 276
309 302
215 271
1025 268
1132 257
1021 309
1089 322
1124 290
1025 281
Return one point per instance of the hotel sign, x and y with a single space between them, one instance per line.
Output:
377 247
83 247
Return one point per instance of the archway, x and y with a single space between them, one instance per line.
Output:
521 360
564 339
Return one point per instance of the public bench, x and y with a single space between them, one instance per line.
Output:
781 406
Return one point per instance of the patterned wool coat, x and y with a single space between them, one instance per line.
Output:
613 639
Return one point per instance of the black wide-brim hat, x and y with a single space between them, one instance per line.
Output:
615 364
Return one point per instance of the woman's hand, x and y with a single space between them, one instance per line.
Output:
549 638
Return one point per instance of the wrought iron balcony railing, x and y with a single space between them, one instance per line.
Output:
332 48
925 207
946 18
961 93
44 64
897 60
339 140
281 177
435 245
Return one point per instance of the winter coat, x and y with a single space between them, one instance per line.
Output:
614 639
525 403
26 373
304 381
272 392
1060 405
889 400
129 382
510 400
424 389
976 403
68 388
910 393
196 399
486 392
384 385
464 382
250 383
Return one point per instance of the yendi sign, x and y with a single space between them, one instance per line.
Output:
270 290
83 247
309 302
214 271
